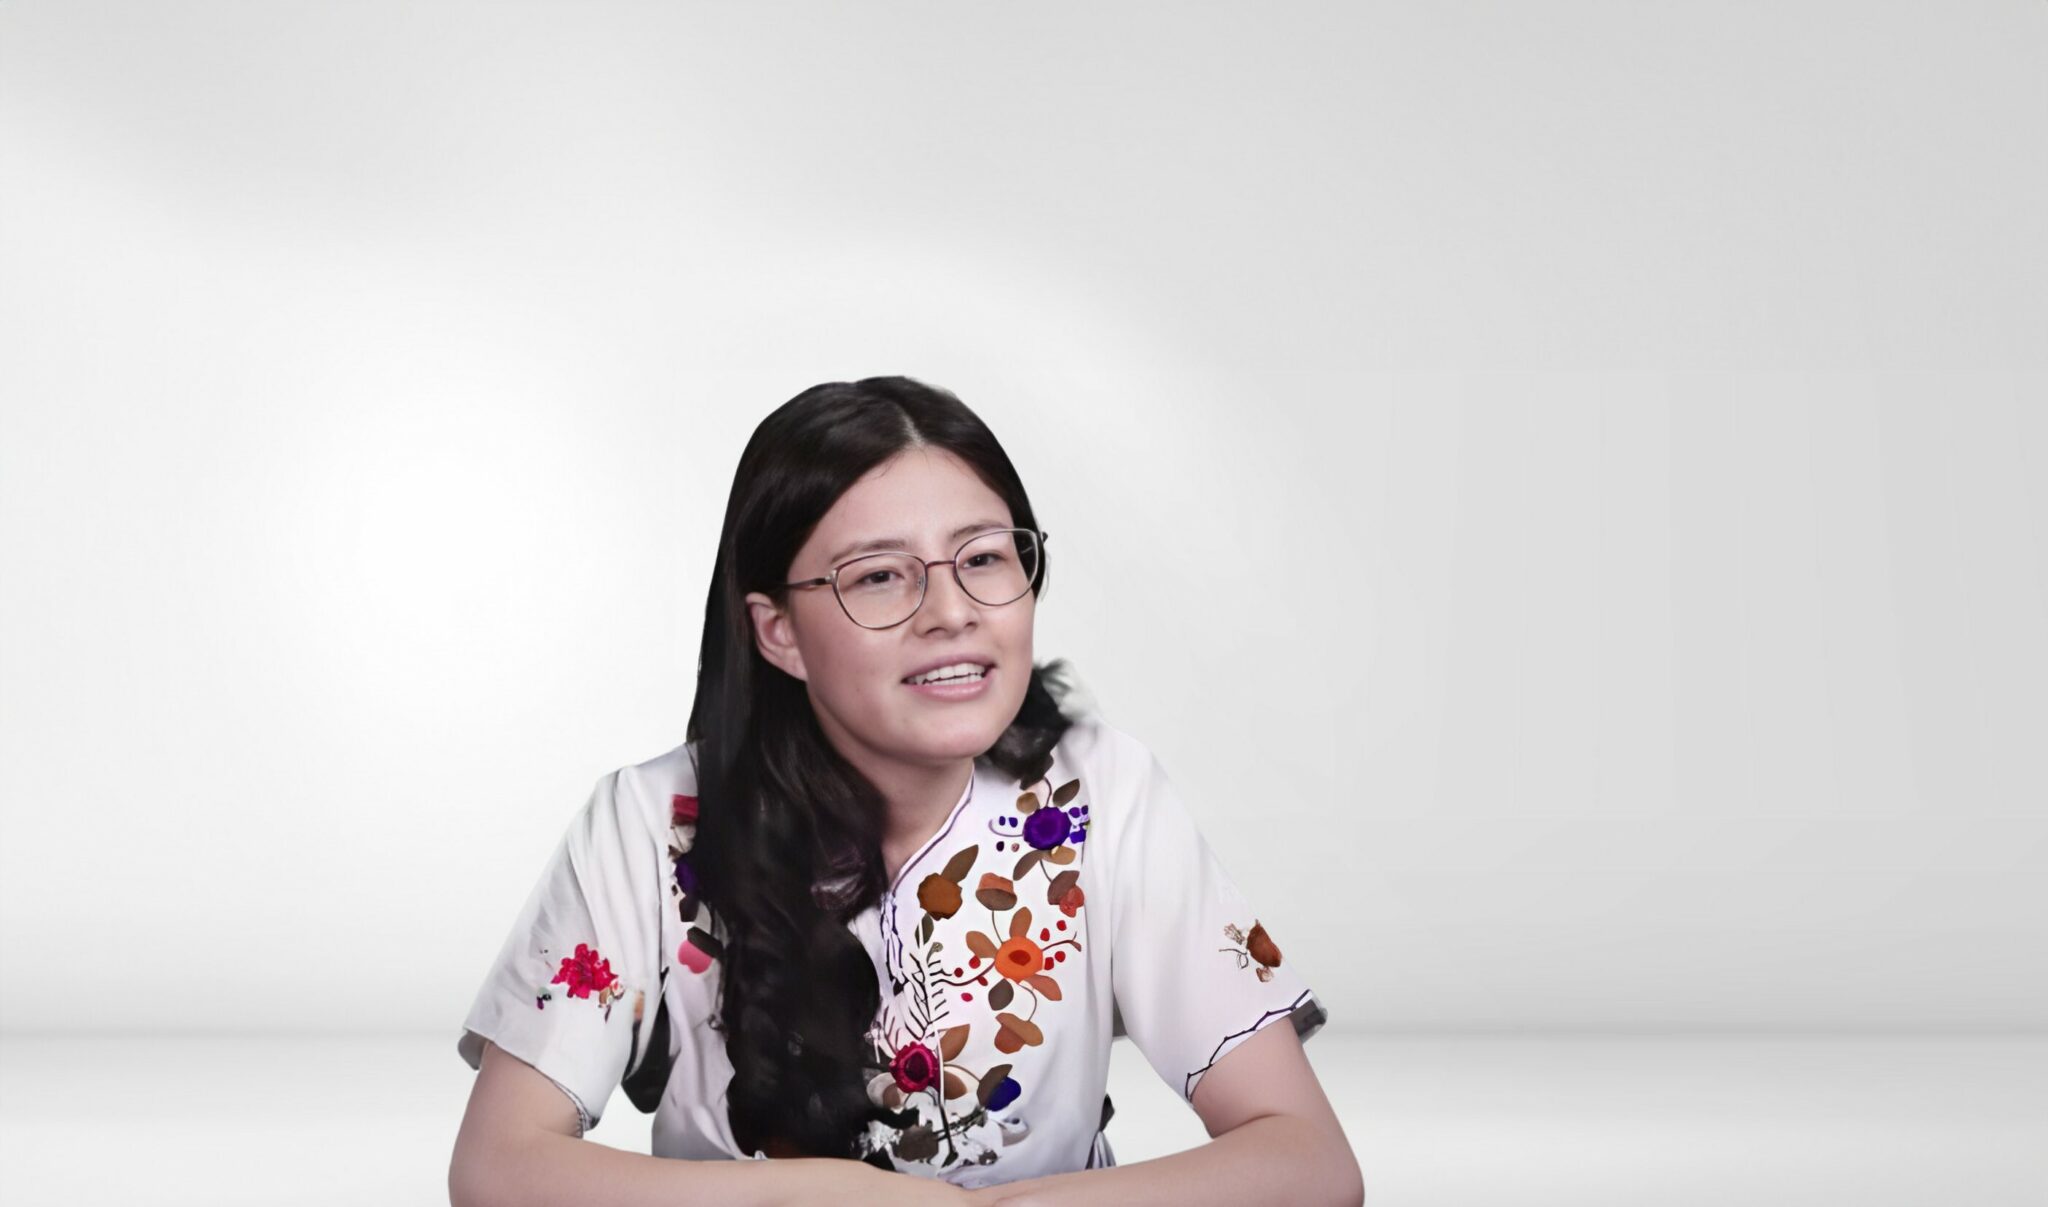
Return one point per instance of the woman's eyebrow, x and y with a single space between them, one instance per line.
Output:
897 542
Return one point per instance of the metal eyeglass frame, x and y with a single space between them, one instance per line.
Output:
1040 536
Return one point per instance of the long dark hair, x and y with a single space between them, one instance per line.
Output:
788 841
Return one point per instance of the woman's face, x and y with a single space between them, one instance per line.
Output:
855 675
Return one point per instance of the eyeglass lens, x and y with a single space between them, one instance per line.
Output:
882 589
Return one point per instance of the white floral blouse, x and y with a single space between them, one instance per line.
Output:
1037 923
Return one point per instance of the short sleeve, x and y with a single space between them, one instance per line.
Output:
1195 969
573 990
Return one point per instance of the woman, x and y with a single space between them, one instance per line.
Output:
884 909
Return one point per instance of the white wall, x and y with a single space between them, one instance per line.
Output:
1559 485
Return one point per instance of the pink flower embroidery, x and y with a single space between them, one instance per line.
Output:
585 972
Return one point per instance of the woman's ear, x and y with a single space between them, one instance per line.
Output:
775 635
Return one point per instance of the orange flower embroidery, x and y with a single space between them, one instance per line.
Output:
1020 957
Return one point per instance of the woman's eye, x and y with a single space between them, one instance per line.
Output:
868 579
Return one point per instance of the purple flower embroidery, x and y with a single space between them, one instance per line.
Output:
1047 828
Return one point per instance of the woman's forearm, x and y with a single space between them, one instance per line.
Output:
1272 1159
551 1169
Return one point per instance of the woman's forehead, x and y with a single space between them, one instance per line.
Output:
923 502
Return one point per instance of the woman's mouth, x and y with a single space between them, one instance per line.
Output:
958 687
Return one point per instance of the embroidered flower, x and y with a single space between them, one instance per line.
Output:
1019 958
938 895
1047 828
915 1068
1072 901
682 810
1004 1094
686 877
585 972
1259 949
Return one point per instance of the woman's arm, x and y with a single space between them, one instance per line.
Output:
1275 1139
550 1168
1274 1159
518 1147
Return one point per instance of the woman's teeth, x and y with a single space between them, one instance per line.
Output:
962 673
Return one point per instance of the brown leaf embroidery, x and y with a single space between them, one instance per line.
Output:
989 1083
996 892
961 863
1016 1033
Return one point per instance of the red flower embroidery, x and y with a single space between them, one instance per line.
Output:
585 972
1072 901
915 1068
683 810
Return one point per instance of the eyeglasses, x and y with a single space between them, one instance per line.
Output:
882 590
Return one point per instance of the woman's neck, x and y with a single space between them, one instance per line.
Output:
919 801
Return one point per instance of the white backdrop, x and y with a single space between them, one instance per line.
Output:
1560 486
